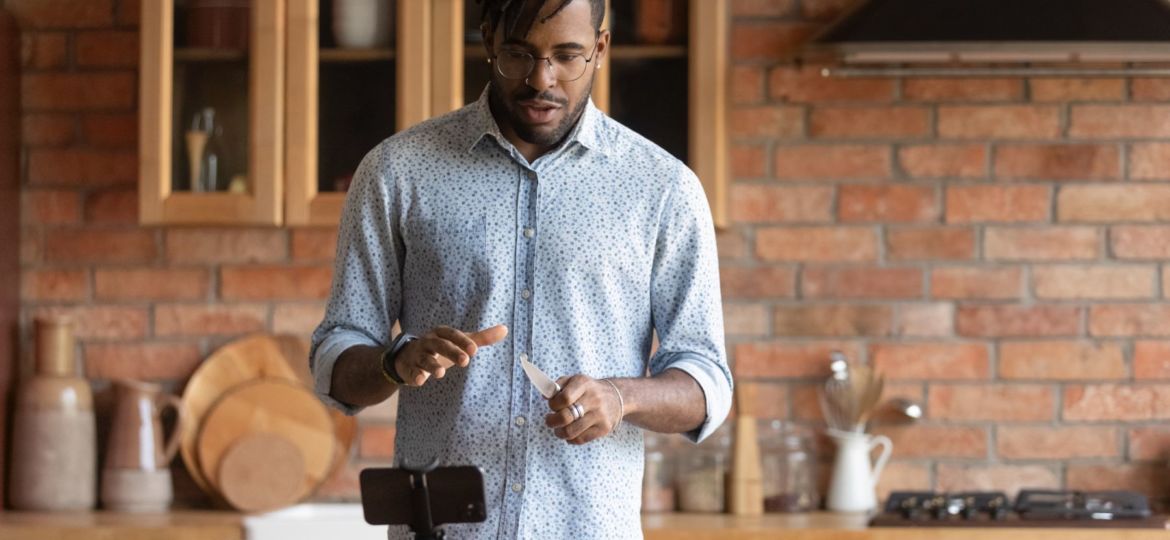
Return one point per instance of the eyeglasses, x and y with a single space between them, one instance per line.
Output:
517 64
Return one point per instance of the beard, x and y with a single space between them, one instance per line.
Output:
507 106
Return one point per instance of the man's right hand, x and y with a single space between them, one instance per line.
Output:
432 354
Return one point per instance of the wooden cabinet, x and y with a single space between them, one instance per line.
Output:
294 111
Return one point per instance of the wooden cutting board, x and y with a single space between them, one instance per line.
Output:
275 407
262 472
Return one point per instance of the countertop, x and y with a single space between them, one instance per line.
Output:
211 525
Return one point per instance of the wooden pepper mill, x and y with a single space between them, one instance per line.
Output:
746 488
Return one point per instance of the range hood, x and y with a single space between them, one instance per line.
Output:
981 37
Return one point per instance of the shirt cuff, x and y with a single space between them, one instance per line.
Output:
716 391
327 354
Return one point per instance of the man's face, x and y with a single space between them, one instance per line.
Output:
541 109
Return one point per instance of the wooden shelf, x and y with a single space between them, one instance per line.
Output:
210 55
616 52
356 55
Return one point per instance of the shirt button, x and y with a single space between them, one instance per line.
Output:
520 420
517 487
523 357
526 294
529 232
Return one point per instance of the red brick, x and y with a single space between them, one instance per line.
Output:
930 243
1044 442
112 207
749 161
975 283
861 282
106 49
32 246
1078 89
990 477
922 89
1109 203
1145 478
816 244
1058 162
903 476
825 9
731 244
832 320
1140 242
769 121
47 285
128 12
79 91
98 322
888 203
62 13
115 130
1061 360
806 402
210 246
82 167
747 84
1151 360
767 40
50 207
786 359
999 122
757 282
771 401
314 244
932 441
152 284
1094 282
275 283
100 246
205 319
944 160
1115 121
1018 320
925 320
45 50
142 361
869 122
762 8
1149 443
991 402
1116 402
299 319
931 361
1150 89
48 129
1149 161
806 85
746 319
781 204
1120 320
997 203
831 162
377 441
1048 244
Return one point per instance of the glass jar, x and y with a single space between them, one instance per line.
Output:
788 457
658 477
702 473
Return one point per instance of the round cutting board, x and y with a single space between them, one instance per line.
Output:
269 406
262 472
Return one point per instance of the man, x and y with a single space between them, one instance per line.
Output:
529 226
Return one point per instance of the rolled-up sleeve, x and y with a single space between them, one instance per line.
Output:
365 299
685 301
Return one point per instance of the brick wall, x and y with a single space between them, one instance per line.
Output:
993 245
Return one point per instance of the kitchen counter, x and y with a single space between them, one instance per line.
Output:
208 525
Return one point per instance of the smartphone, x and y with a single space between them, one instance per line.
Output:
456 495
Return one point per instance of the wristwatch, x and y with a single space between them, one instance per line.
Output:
388 370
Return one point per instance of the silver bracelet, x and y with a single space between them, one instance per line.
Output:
621 403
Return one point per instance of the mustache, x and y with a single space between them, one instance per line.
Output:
529 93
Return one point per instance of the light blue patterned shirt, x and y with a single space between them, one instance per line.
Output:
583 254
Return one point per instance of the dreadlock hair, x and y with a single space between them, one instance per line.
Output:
519 15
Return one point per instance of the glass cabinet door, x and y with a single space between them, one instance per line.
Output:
211 94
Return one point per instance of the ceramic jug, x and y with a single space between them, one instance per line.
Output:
136 475
855 477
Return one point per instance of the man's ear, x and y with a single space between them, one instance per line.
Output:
488 43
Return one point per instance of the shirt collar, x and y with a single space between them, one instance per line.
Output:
587 132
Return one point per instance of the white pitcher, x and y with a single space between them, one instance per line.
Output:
854 478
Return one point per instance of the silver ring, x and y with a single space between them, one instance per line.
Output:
578 411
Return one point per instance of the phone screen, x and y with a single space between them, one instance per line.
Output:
456 495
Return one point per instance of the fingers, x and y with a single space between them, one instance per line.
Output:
490 336
446 350
589 435
572 389
457 338
440 349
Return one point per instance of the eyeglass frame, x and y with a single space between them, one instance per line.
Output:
548 60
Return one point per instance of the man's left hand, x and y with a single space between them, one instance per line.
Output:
596 399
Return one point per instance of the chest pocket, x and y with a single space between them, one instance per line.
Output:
451 257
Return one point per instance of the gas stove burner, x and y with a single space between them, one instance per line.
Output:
1041 504
920 505
1033 508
